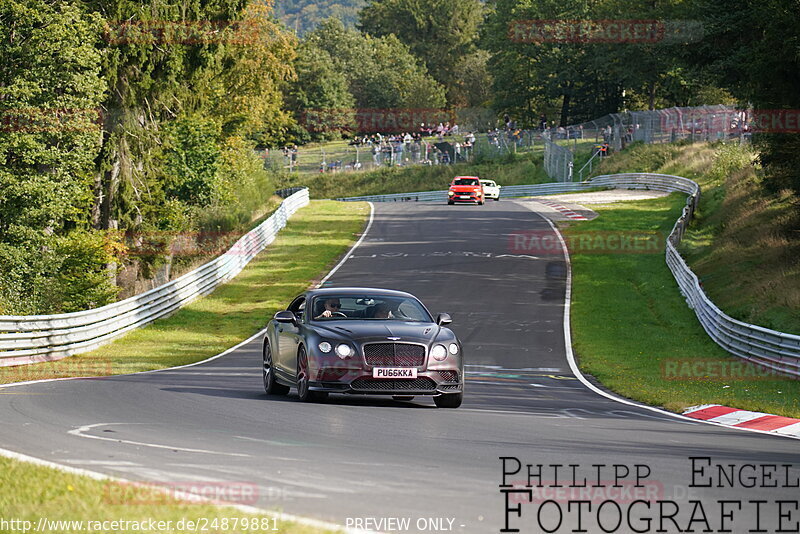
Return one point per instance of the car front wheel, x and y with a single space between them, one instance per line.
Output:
448 400
271 386
303 392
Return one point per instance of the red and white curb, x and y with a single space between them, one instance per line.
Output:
735 418
565 211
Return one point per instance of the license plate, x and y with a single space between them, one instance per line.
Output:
394 372
464 196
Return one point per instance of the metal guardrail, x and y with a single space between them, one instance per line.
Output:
771 349
509 191
768 348
36 338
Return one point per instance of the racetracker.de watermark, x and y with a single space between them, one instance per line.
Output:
383 120
619 31
50 120
710 369
545 242
144 244
63 368
775 120
159 493
189 32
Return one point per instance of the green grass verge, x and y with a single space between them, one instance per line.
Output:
743 243
31 492
631 327
315 237
311 242
633 331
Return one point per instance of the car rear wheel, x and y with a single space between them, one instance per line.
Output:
271 386
403 397
305 394
449 400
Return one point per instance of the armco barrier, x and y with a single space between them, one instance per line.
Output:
769 348
36 338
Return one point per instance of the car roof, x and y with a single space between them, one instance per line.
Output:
457 177
486 180
365 291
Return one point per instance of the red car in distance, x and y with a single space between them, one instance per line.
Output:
465 189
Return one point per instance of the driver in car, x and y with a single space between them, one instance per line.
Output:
332 305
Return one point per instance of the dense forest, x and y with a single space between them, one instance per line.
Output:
128 121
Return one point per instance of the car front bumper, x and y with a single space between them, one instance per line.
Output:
459 197
432 382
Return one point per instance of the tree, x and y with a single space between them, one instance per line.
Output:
439 32
757 58
50 95
320 97
381 71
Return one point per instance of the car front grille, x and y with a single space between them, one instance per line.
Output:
417 384
394 355
449 376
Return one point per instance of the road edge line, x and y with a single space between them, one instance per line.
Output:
355 246
573 365
308 521
226 351
190 497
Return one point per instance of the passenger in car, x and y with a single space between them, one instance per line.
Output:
382 311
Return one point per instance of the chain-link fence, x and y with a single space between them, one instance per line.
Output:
558 161
702 123
389 151
604 135
614 132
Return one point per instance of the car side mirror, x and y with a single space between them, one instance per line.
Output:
286 316
443 319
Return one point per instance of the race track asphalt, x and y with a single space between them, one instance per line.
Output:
369 457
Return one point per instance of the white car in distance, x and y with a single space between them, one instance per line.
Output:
490 190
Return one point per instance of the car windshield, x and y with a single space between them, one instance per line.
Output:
488 183
466 181
370 307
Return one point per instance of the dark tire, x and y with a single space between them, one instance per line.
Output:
271 386
403 397
497 199
450 202
449 400
303 392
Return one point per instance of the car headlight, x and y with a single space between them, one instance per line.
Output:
439 353
344 351
325 347
453 349
450 193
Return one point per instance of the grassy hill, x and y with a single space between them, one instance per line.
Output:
743 245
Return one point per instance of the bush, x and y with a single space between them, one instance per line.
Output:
59 274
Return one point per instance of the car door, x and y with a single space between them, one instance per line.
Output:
288 336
